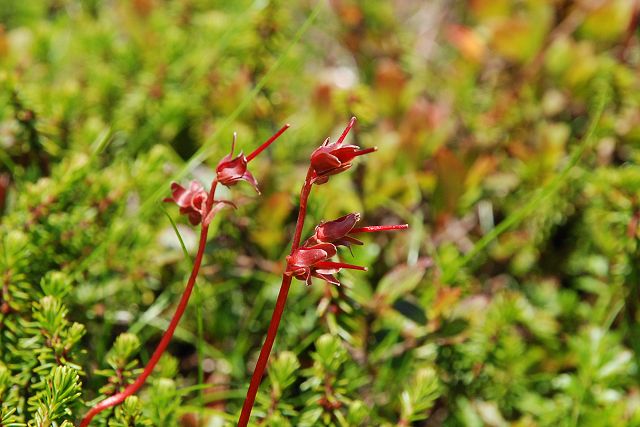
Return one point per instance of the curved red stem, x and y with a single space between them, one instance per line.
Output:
302 213
265 351
118 398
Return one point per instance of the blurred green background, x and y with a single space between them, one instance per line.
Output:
508 136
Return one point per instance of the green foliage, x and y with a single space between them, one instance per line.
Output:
122 365
7 414
508 139
52 405
164 394
420 396
282 372
129 414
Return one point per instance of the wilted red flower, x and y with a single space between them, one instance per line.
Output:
331 159
313 261
336 231
193 202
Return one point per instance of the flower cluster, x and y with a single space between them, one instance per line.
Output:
194 201
312 259
200 207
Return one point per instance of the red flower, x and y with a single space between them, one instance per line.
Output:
331 159
193 202
336 232
339 231
313 261
230 170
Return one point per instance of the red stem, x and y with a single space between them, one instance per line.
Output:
265 144
265 351
374 228
302 213
118 398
